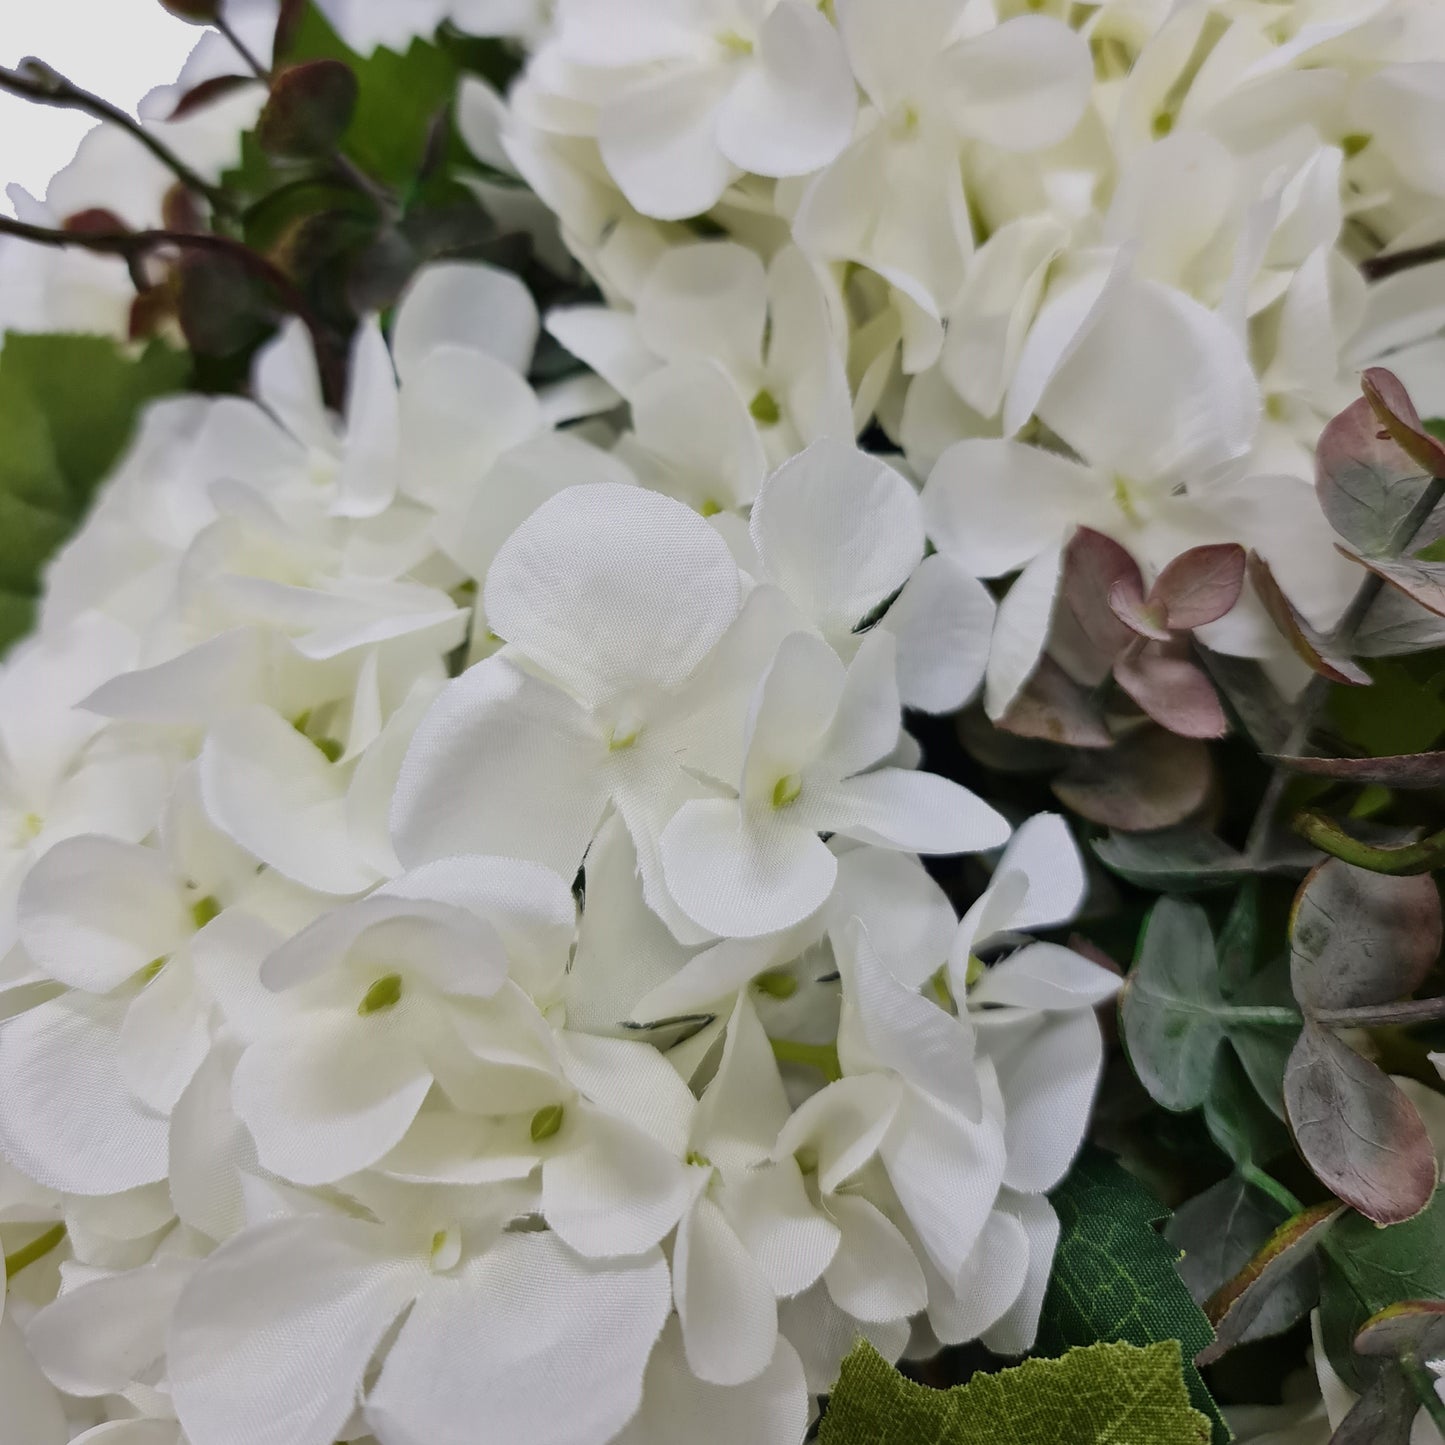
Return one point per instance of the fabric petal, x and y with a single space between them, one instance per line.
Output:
786 1235
270 1340
838 531
165 1036
992 1280
66 1117
465 303
1044 850
1047 977
942 619
33 1412
577 586
843 1125
505 764
742 879
516 1335
369 466
93 912
1021 630
874 1276
908 916
727 1308
793 110
1014 1333
917 812
324 1100
658 142
709 300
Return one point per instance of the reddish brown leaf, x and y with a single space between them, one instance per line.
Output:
1396 413
1423 582
1053 707
1411 1327
1141 616
1307 643
196 12
207 92
1199 586
1093 563
1173 692
1357 1130
95 222
1149 781
309 109
1359 938
1237 1304
1412 770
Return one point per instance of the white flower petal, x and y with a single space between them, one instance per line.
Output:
793 110
710 300
658 141
728 1310
1045 976
1015 1331
874 1276
330 1096
66 1117
369 466
165 1036
465 303
517 1335
33 1412
503 764
287 384
1021 629
275 793
577 588
94 911
608 341
743 878
786 1235
943 620
209 1150
270 1339
917 812
842 1124
772 1407
992 1280
1044 850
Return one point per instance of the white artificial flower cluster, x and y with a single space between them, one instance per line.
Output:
1084 263
465 953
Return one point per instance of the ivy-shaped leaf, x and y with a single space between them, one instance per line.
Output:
1096 1395
1115 1276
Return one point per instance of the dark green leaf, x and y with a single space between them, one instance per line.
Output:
1094 1395
1185 859
1243 1118
1114 1275
1383 1415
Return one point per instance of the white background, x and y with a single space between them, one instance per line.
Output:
116 48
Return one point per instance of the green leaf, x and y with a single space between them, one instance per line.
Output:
1185 859
1101 1394
67 408
1366 1269
1244 1124
1174 1013
1398 714
1114 1275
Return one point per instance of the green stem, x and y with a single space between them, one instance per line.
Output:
823 1057
1268 1184
1423 1381
38 82
38 1248
1407 860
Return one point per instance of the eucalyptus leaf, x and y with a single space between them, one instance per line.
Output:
1182 859
1356 1129
1383 1415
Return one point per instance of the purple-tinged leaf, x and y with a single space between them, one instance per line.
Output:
1174 692
1356 1129
1359 938
1242 1301
1397 625
1396 413
1307 643
1148 781
1383 1415
1367 484
1142 617
218 87
309 109
1199 586
1412 770
1093 563
1053 707
1411 1327
94 221
1422 582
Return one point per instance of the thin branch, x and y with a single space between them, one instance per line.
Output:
38 82
252 62
1318 690
132 246
1403 860
1393 262
1384 1015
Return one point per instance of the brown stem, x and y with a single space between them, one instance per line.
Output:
131 246
1393 262
38 82
1384 1015
253 63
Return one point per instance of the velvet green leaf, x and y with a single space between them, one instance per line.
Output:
1115 1276
1104 1394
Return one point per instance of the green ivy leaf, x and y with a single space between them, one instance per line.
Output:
1115 1276
67 408
1096 1395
